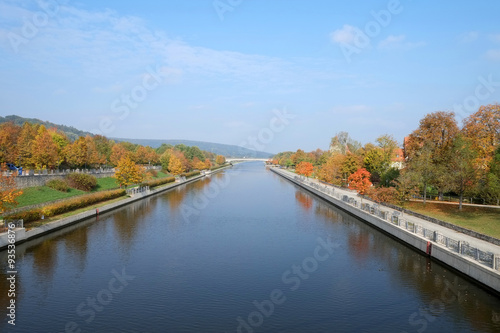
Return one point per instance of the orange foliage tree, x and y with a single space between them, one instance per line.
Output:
304 168
360 181
8 190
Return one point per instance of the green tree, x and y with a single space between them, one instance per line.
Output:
462 168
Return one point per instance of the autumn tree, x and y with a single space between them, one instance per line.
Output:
165 159
219 159
175 166
8 190
118 152
483 129
44 153
437 129
127 172
9 133
25 144
360 181
304 168
331 171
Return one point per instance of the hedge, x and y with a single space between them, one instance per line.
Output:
80 202
190 174
66 205
157 182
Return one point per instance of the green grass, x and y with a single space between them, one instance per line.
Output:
41 194
481 219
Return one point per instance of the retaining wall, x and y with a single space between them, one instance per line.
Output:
486 276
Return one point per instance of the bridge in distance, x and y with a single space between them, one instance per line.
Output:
240 160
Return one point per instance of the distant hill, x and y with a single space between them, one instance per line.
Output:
70 131
216 148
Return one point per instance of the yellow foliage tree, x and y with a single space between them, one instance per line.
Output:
8 191
128 172
175 166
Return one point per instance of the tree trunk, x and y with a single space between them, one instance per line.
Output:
460 202
425 192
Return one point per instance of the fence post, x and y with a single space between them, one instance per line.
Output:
435 236
496 260
460 247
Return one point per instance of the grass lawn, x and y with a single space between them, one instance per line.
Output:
41 194
481 219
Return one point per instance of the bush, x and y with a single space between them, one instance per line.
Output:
383 194
153 173
157 182
190 174
82 181
80 202
59 185
27 215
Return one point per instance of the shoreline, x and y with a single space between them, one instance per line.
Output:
22 235
461 252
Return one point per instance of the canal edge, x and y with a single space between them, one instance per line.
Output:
22 235
485 276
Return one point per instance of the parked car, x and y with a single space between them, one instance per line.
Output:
12 167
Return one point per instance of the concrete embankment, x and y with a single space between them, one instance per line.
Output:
471 256
22 235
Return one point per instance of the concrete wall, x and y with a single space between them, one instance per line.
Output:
486 276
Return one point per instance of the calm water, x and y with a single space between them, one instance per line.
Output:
242 251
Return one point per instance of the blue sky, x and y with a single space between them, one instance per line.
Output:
222 71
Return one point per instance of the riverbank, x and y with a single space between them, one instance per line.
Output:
23 235
476 258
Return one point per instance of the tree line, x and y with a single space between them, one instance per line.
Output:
33 146
440 156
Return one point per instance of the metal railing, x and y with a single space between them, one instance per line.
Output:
394 217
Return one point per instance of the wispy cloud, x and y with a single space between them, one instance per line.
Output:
493 55
468 37
398 42
495 38
345 35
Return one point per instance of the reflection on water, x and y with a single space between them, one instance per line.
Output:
201 274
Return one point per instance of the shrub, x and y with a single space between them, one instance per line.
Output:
27 215
383 194
157 182
80 202
153 173
82 181
190 174
59 185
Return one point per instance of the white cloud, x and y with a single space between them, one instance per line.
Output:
398 42
468 37
345 35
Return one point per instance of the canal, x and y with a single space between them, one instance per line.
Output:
240 251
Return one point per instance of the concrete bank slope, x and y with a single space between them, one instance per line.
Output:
21 235
471 256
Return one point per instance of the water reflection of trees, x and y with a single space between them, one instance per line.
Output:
435 283
131 220
304 200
